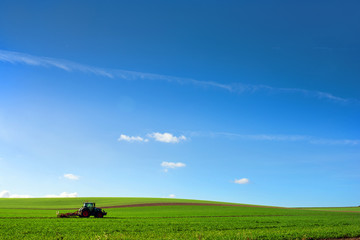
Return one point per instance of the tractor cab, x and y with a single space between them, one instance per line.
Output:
89 205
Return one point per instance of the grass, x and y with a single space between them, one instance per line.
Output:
171 222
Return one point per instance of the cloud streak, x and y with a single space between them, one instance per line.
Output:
22 58
288 138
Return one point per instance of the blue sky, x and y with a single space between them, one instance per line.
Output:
251 102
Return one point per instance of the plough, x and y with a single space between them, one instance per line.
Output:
66 215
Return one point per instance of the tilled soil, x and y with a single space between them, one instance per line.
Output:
184 204
358 238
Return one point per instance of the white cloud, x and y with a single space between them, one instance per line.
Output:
71 176
63 195
166 137
6 194
131 138
172 195
167 165
20 196
160 137
242 181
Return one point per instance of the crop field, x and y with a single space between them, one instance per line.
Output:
36 219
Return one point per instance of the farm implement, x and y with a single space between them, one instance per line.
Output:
87 210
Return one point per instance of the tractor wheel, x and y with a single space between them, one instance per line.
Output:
99 215
85 213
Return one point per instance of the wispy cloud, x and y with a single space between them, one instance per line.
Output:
71 176
242 181
334 141
172 195
127 138
22 58
287 138
166 137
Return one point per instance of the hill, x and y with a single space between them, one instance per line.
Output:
163 218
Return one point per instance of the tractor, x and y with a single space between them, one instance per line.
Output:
89 209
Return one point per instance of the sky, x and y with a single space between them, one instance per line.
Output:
251 102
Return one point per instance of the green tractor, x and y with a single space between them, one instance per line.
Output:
89 209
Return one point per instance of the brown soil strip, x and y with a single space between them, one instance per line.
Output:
230 216
340 211
356 238
185 204
324 210
160 204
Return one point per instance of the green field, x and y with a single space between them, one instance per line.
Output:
36 219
